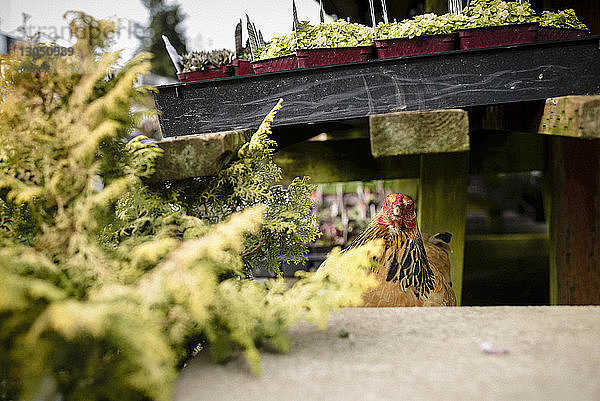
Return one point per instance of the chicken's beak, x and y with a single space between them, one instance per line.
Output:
396 211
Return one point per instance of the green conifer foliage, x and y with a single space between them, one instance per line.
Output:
106 283
251 179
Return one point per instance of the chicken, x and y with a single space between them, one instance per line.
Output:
410 272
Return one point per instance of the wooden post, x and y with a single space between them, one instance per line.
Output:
573 198
441 137
574 221
443 204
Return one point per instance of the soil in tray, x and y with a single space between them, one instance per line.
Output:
275 64
497 35
212 73
387 48
336 55
551 33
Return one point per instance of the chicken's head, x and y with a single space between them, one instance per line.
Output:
399 210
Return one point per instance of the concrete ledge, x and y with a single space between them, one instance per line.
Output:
420 354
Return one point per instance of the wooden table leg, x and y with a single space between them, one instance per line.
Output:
574 221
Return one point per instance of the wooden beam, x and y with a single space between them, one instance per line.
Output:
350 160
574 221
443 204
419 132
344 160
197 155
447 80
573 116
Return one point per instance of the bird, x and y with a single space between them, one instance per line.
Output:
409 271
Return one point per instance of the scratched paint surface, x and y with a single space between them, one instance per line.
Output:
355 90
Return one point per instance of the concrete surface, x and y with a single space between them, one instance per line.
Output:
552 353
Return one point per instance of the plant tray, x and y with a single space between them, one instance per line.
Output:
275 64
212 73
389 48
336 55
497 35
551 33
242 67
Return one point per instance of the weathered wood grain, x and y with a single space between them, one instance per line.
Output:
456 79
443 204
419 132
197 155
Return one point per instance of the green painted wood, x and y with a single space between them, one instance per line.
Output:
419 132
443 204
197 155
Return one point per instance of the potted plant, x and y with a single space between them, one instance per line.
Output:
560 25
428 33
339 42
201 65
278 55
314 45
498 23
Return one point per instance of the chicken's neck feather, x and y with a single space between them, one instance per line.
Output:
409 264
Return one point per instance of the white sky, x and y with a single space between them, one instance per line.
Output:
208 24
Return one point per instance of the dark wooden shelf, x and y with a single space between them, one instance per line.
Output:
456 79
